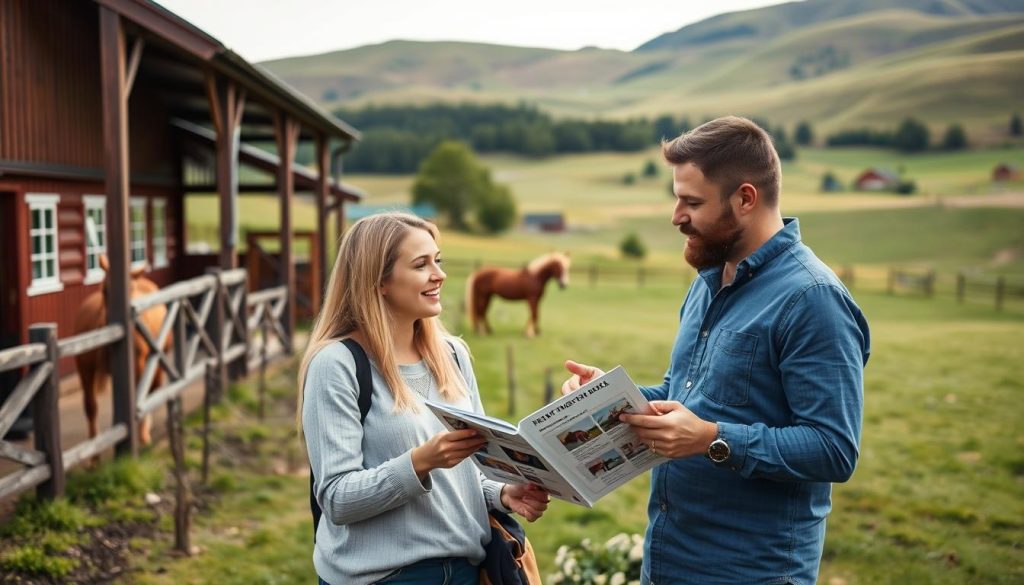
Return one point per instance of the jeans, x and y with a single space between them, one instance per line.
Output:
450 571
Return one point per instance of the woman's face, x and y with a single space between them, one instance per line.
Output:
413 290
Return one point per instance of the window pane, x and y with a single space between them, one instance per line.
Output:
37 269
36 244
48 218
49 244
51 267
36 218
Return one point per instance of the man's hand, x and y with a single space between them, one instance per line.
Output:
445 449
673 431
581 375
526 499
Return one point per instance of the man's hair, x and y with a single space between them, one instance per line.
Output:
730 151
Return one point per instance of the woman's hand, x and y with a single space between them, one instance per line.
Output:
526 499
445 450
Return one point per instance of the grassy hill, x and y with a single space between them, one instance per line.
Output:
838 64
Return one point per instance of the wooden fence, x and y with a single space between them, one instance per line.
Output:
214 324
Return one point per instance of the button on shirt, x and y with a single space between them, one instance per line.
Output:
778 362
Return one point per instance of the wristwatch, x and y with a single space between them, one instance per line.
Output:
718 451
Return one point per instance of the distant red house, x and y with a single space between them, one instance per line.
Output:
544 222
876 179
1006 172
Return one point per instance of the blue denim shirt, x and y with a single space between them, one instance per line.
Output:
776 359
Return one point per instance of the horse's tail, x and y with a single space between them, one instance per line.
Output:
471 299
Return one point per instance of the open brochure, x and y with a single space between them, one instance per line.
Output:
576 447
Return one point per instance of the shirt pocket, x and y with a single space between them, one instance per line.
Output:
728 378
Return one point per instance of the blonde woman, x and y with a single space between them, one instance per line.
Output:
399 504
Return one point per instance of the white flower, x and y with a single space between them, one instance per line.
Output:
637 552
634 582
570 566
618 579
560 555
620 541
556 578
600 579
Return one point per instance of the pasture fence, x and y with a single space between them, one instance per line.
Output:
214 325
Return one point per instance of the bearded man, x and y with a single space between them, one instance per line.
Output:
760 409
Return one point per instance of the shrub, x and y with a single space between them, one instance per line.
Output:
617 562
632 247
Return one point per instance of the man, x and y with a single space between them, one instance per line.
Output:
760 409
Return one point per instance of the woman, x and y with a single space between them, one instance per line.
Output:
398 507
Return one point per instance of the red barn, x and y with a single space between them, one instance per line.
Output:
875 179
1006 172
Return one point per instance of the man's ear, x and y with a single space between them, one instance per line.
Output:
748 197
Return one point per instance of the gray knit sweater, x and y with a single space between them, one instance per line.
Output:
378 517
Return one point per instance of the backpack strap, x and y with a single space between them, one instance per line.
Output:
364 379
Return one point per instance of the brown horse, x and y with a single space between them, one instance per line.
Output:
93 366
527 283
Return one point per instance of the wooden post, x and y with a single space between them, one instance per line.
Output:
511 376
286 132
322 177
215 329
265 333
115 147
209 381
176 439
227 104
1000 292
46 413
961 287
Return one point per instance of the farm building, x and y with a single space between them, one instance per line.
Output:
544 222
876 179
1006 172
112 113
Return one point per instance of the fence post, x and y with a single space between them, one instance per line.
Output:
1000 292
961 287
265 332
46 413
210 380
215 328
176 438
511 375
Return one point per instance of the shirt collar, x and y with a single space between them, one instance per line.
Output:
781 241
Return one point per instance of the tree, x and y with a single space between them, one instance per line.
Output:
629 178
453 181
1015 125
632 247
496 211
955 138
804 135
650 169
911 136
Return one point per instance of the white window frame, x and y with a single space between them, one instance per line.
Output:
95 249
47 283
133 225
159 235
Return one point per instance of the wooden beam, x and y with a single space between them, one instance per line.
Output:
286 132
115 147
227 103
133 64
322 187
46 413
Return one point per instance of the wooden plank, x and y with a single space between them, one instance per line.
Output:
233 277
25 479
133 64
322 187
169 391
267 295
94 446
287 134
29 457
90 340
21 356
46 413
176 291
23 394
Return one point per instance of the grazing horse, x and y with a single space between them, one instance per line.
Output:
527 283
93 366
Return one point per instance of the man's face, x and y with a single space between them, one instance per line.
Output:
707 221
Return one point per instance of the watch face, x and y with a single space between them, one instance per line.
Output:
718 451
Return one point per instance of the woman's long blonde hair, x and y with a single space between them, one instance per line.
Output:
353 302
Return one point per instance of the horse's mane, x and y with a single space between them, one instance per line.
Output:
537 264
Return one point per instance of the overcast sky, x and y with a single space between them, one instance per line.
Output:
259 30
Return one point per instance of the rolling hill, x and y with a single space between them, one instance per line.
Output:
835 63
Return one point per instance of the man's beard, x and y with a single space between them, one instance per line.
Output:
712 247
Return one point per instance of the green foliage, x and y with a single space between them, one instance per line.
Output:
785 150
616 562
35 560
955 138
1015 125
632 247
830 183
119 480
911 136
804 134
650 169
456 183
34 517
906 187
496 211
629 178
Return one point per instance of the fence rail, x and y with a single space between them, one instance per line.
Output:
210 324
